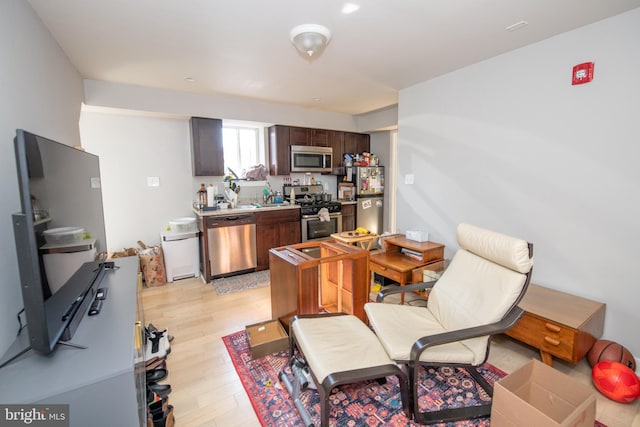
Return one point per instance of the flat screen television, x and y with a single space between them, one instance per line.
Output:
59 236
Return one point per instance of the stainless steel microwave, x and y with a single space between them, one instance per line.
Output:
306 158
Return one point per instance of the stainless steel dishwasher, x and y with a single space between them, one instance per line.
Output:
232 244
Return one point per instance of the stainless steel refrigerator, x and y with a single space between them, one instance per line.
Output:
369 185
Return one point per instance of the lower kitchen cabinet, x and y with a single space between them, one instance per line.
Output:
348 217
278 227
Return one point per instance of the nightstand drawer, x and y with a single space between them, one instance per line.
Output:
390 273
545 335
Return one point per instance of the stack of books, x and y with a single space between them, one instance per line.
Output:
412 254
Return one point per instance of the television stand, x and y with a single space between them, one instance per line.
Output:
110 369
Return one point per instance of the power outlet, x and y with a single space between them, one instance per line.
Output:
153 181
408 179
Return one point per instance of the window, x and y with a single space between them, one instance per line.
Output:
242 148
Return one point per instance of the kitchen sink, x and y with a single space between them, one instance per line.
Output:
271 205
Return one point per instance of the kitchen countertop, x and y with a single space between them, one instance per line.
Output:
347 202
243 209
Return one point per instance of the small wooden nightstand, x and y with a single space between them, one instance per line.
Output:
558 324
397 266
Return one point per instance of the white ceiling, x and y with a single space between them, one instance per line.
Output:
242 48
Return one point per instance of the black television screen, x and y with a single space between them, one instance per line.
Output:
60 236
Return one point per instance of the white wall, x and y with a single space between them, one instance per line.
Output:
131 149
42 93
510 145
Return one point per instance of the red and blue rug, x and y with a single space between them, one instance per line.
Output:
360 404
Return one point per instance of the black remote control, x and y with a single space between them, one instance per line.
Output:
96 306
102 293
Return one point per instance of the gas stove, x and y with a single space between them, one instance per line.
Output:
305 197
313 207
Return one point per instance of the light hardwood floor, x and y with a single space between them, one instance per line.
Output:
206 389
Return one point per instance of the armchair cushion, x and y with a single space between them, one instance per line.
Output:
399 326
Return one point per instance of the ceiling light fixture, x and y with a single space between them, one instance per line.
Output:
310 39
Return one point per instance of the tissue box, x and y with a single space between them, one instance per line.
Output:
418 236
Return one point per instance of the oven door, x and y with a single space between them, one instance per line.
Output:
314 229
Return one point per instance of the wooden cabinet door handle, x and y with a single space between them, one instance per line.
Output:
552 341
552 327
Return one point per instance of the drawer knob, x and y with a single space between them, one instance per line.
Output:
552 327
552 341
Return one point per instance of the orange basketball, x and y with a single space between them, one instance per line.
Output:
609 350
616 381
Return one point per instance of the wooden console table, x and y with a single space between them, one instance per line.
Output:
337 281
558 324
397 266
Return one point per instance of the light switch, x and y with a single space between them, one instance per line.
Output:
153 181
95 182
408 179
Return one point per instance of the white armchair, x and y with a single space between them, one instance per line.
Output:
474 299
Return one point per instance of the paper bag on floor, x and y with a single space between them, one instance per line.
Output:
152 265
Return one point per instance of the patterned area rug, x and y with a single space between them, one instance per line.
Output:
361 404
228 285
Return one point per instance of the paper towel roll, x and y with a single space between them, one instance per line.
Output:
211 195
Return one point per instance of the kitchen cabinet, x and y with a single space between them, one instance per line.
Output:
278 227
356 142
319 138
206 146
299 136
281 138
336 142
348 217
279 150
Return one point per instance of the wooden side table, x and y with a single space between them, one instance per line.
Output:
397 266
558 324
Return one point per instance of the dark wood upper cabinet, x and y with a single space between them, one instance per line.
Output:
281 138
336 142
206 146
279 151
356 142
299 136
319 137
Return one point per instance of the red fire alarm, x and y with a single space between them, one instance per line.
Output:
582 73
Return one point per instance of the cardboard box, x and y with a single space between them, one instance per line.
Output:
538 395
267 338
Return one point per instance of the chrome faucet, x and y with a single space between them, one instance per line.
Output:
267 195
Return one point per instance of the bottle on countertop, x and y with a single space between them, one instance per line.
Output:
202 196
292 196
